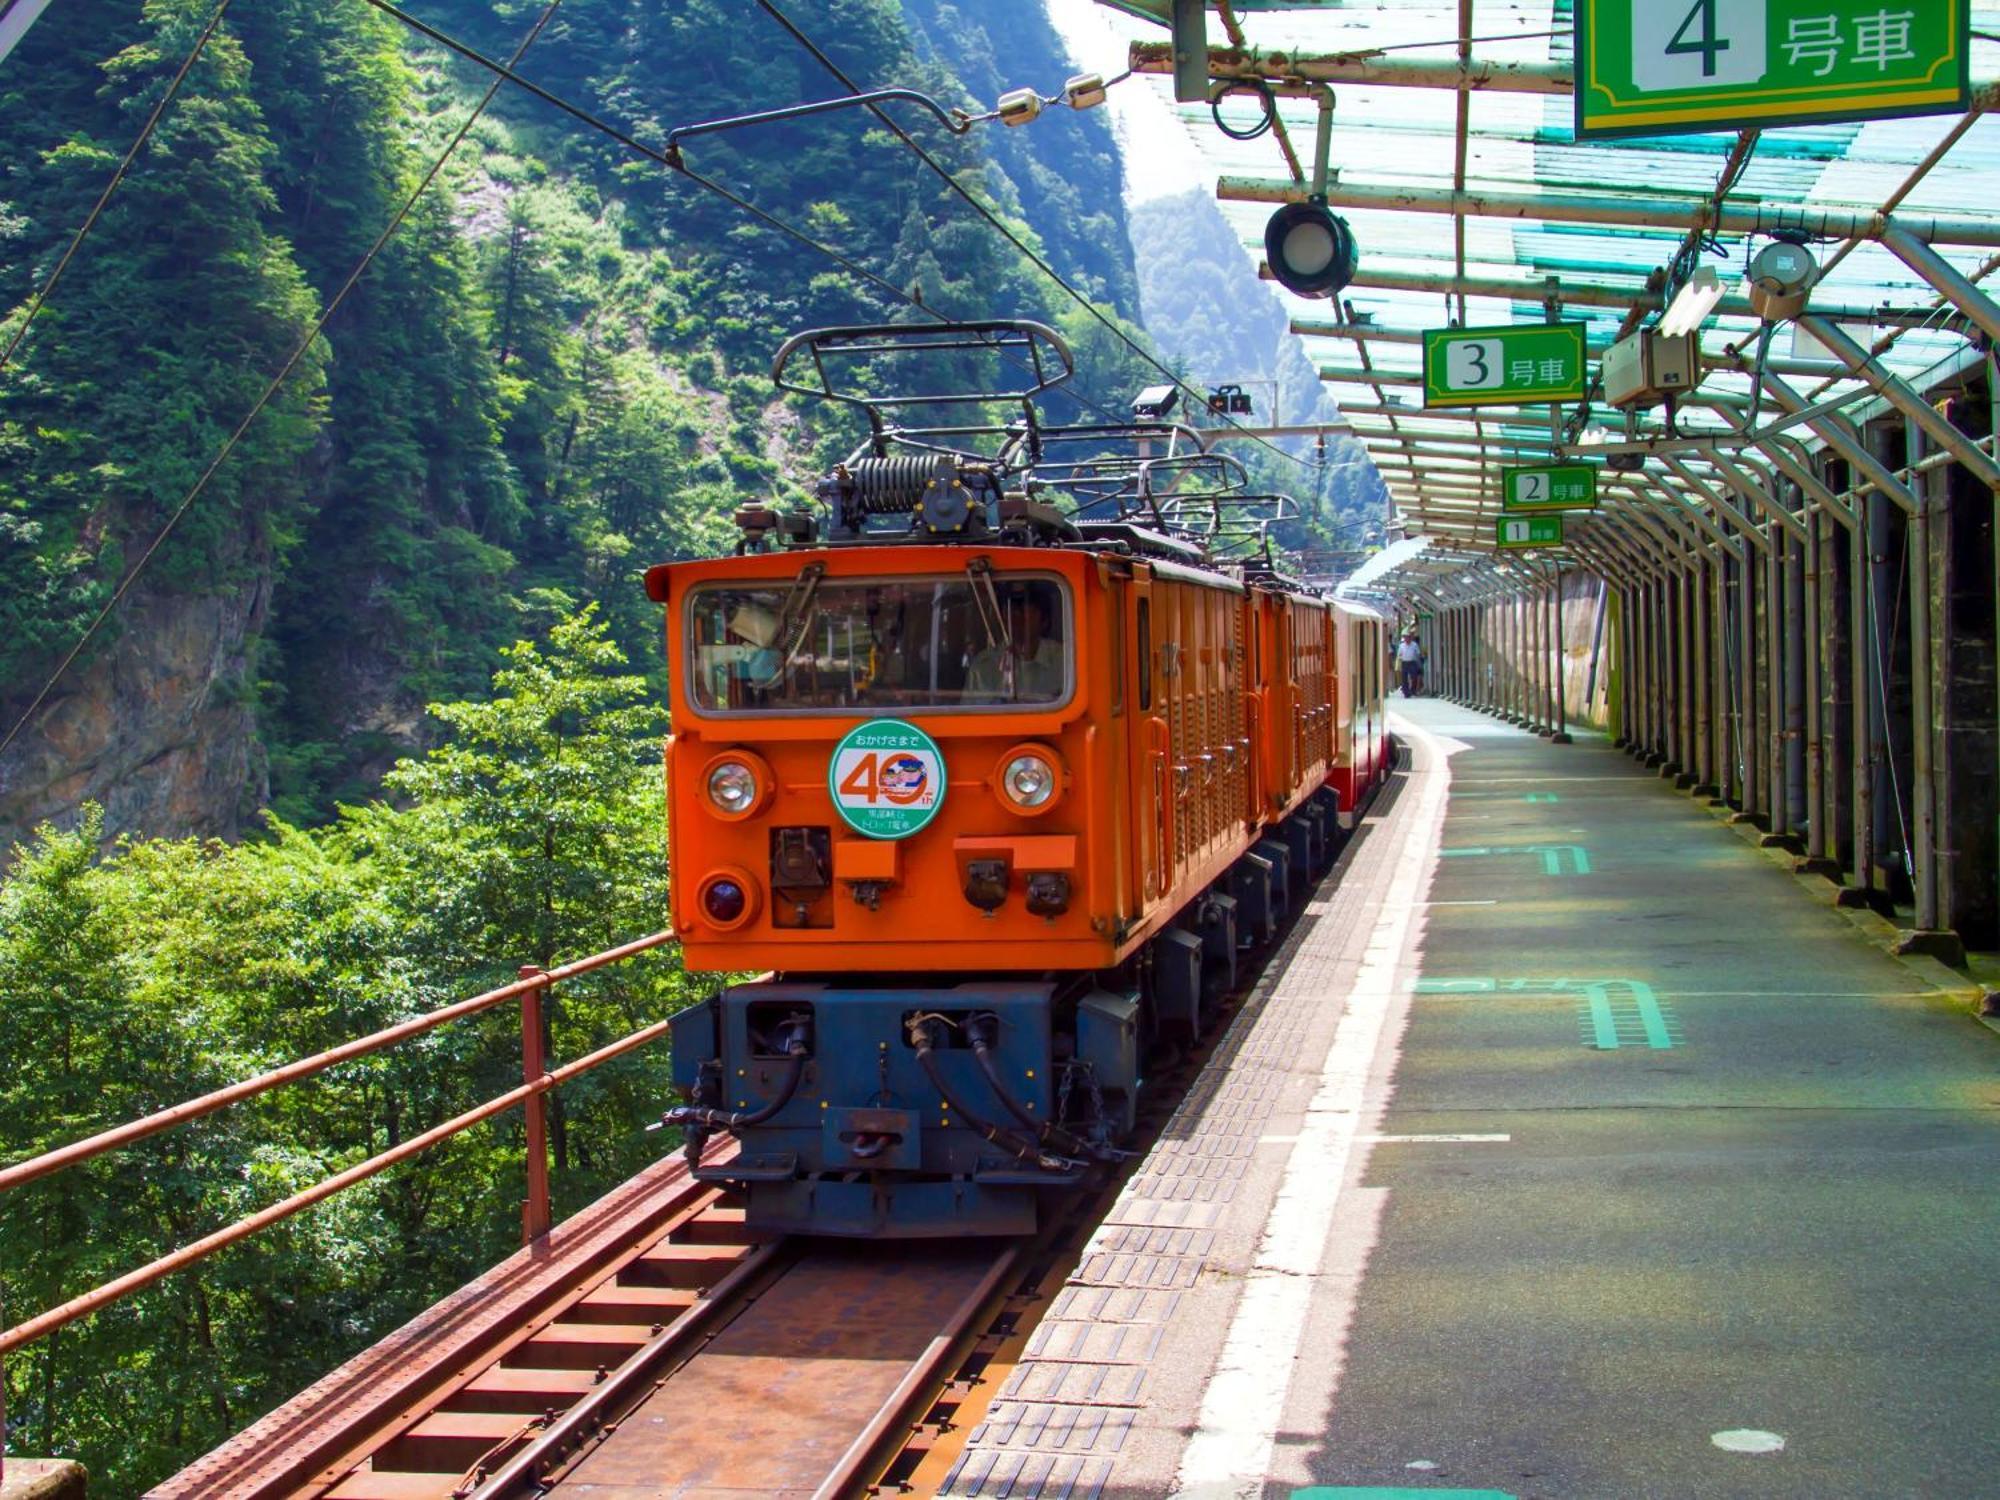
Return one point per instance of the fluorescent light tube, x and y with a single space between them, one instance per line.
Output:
1692 303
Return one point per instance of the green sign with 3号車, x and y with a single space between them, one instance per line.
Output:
1660 67
1549 487
1528 531
1514 363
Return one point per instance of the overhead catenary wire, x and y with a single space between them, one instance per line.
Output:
770 8
41 296
271 389
675 162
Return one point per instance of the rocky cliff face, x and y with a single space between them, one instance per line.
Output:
158 727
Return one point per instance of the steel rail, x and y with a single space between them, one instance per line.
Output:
599 1408
179 1114
132 1281
866 1455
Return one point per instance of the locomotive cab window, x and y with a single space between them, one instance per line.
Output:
994 641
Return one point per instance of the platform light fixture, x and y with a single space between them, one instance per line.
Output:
1692 304
1310 249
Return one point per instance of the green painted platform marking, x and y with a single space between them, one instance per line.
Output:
1372 1492
1603 1025
1615 1013
1553 855
1541 797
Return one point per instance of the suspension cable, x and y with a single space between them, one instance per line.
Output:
97 209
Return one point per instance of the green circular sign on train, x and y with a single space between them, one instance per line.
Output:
887 778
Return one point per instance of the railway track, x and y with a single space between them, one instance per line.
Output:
656 1346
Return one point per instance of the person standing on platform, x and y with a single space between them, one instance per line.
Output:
1410 661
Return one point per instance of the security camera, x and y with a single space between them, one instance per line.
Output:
1781 279
1155 401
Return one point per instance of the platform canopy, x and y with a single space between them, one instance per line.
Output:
1454 158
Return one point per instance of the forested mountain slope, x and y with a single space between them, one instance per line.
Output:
552 374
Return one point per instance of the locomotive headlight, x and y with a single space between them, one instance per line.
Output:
732 786
737 784
1031 779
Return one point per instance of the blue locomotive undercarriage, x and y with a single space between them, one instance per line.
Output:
920 1110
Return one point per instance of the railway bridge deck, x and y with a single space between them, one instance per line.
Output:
1569 1149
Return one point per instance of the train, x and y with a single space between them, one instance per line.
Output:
993 772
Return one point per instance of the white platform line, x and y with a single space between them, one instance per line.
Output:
1230 1453
1432 1140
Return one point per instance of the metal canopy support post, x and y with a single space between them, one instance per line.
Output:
1562 734
1923 726
1189 50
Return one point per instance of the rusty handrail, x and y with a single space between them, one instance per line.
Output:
179 1114
529 1090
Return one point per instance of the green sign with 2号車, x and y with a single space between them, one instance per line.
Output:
1504 366
1658 67
1549 487
1528 531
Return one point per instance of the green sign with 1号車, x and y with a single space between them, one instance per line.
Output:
1549 487
886 778
1512 364
1529 531
1660 67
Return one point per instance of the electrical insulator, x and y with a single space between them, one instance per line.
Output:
1085 91
1019 106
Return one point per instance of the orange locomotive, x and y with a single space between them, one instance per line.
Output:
995 793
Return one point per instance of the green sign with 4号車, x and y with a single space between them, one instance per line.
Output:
1657 67
1503 366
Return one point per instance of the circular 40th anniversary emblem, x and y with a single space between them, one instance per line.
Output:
887 779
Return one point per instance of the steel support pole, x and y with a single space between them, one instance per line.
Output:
1862 756
1814 641
1923 728
535 1212
1562 734
1800 745
1777 572
1696 623
1749 700
1702 608
1539 602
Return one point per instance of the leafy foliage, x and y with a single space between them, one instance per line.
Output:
534 834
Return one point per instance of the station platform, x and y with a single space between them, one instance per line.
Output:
1567 1150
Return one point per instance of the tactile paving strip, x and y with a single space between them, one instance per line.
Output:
1057 1427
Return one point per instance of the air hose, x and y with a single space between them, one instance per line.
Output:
921 1039
704 1118
1048 1132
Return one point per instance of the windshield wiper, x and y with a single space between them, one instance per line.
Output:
979 573
795 620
